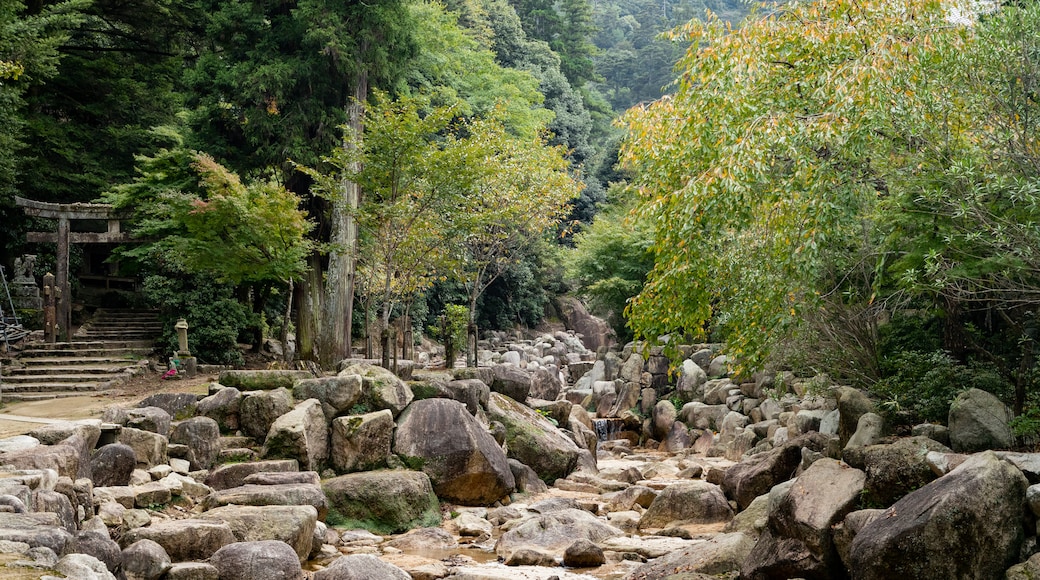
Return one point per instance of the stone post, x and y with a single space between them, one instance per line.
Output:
188 363
50 314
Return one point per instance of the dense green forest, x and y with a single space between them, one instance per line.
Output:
845 187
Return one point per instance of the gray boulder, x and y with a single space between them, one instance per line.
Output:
112 464
234 474
192 539
81 567
145 560
361 567
99 545
691 381
533 440
202 437
697 415
868 430
978 421
263 560
663 418
361 442
150 449
463 461
222 407
473 393
554 532
797 541
384 501
511 381
687 502
37 530
151 419
380 388
894 470
852 404
262 380
293 525
720 555
258 411
758 474
191 571
270 495
178 405
301 434
336 394
966 524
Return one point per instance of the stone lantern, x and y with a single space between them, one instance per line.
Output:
188 364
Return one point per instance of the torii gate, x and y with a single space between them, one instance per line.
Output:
64 213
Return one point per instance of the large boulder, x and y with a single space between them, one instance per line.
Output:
533 440
82 436
361 567
546 383
234 474
263 560
258 411
966 524
383 501
151 449
797 540
691 381
978 421
192 539
554 532
262 380
267 495
178 405
145 560
697 415
361 442
473 393
720 555
202 437
894 470
152 419
222 407
336 394
513 382
852 404
301 434
465 465
38 530
112 464
80 567
687 502
595 332
380 388
758 474
663 419
292 524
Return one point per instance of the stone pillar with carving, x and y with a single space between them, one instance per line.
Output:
24 292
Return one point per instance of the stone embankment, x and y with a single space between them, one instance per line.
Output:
546 461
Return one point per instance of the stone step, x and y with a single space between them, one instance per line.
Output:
42 396
113 325
7 388
131 353
65 370
81 378
44 361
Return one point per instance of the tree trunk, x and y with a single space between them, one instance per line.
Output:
334 344
310 301
286 321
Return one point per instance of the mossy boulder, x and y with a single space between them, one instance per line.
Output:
262 380
533 440
383 502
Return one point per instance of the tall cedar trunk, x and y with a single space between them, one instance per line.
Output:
309 298
334 344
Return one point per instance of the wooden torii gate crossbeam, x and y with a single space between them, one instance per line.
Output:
65 213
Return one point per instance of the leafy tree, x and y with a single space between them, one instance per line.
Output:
610 262
29 56
757 177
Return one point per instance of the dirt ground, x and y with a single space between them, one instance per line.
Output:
92 406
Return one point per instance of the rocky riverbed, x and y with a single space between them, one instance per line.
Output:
546 461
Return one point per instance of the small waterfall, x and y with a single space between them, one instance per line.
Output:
608 429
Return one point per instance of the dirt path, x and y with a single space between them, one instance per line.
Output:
20 418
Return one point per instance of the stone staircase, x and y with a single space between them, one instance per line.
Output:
103 353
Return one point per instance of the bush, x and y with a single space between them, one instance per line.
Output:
925 383
215 318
